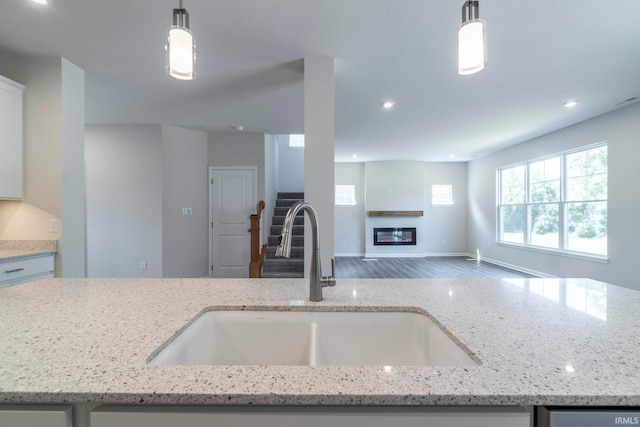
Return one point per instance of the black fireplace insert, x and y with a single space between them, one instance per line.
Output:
394 236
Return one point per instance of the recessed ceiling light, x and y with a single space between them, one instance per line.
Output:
43 2
238 127
355 156
451 156
571 104
387 105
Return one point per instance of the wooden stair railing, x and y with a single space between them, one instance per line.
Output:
257 254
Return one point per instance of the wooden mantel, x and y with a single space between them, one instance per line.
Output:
395 213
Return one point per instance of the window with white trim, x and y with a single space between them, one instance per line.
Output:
441 195
557 202
345 195
296 141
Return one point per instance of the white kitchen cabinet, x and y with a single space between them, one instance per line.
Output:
11 139
310 417
35 416
25 270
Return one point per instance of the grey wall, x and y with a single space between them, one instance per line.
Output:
270 184
349 220
185 242
239 149
291 166
124 200
621 129
53 157
139 177
73 242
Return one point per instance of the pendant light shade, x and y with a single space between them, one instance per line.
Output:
181 47
471 40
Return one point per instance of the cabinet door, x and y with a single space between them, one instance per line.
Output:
10 139
35 416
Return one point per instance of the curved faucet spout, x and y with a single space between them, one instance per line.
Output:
316 280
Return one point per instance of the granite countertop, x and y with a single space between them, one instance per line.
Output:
540 341
12 250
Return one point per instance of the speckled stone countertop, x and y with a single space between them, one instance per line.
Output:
540 341
11 250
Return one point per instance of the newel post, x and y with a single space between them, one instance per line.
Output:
255 266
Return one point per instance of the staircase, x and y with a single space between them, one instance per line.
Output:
285 267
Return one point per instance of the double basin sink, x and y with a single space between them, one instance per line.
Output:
312 338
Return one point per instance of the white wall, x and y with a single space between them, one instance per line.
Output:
185 243
349 234
319 134
124 200
291 166
395 186
621 129
402 185
446 226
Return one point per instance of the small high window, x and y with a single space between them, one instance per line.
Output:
345 195
296 141
441 195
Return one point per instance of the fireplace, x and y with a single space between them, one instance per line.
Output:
394 236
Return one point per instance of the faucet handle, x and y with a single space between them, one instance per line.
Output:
330 280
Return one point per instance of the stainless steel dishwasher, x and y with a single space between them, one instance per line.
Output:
587 416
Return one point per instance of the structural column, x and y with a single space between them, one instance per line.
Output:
319 133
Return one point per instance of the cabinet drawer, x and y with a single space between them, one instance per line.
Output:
35 416
16 270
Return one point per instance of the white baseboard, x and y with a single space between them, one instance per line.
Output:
434 254
395 255
421 255
514 267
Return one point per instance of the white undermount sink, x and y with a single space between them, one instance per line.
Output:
312 338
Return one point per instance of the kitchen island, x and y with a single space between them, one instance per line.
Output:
538 341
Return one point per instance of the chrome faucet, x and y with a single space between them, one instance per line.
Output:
316 280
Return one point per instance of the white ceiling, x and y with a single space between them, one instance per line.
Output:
541 53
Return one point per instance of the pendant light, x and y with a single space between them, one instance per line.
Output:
471 40
181 47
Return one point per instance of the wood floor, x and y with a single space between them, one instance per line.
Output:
425 267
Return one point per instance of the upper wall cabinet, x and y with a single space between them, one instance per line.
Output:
10 139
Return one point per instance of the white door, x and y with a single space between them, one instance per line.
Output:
232 199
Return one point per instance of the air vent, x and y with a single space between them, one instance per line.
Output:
628 100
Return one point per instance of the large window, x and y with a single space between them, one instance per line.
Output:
559 202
